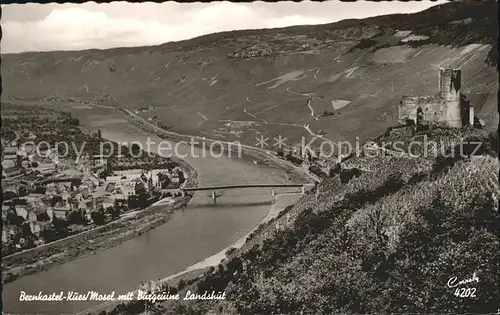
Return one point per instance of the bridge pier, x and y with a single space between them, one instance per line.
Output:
273 193
183 193
214 196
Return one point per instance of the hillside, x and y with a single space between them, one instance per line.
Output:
379 234
231 85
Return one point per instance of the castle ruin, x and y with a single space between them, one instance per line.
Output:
448 107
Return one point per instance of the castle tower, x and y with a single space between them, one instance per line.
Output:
471 115
449 90
450 81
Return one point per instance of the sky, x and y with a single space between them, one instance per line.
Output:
42 27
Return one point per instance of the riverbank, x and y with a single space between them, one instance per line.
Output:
295 173
158 245
282 202
195 271
129 226
89 242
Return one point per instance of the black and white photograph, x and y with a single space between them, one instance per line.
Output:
253 158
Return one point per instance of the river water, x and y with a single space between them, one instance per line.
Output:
193 233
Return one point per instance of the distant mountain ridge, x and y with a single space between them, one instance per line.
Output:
231 85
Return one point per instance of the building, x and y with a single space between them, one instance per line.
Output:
113 178
107 202
448 107
126 187
50 213
5 212
31 217
38 227
22 212
99 202
91 182
11 172
9 232
51 189
8 163
5 235
10 153
65 195
119 196
35 200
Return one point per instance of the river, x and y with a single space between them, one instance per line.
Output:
192 234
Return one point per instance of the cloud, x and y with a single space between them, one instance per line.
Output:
69 27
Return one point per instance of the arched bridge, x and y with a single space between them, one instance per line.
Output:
183 191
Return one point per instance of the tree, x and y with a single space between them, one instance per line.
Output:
113 211
9 195
72 121
163 180
98 216
77 217
142 201
14 219
181 285
136 149
30 243
48 235
26 230
347 174
42 217
494 141
317 171
182 179
140 188
55 200
441 236
410 122
60 227
335 170
132 201
40 190
23 191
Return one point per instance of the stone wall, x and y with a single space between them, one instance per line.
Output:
453 113
467 110
432 108
408 109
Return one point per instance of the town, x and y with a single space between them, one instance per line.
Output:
48 196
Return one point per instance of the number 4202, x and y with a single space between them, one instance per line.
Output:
465 292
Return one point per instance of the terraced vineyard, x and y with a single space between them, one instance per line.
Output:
373 245
382 234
